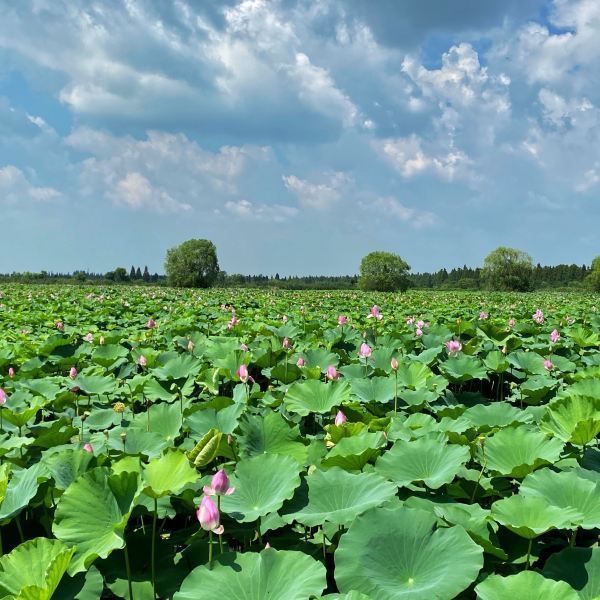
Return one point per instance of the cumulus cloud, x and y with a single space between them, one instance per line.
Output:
390 207
246 210
16 188
317 195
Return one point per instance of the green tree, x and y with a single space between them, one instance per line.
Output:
594 277
192 264
146 275
383 272
120 274
508 269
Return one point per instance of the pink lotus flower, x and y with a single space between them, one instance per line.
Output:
332 373
242 373
511 323
88 448
548 365
3 397
284 318
365 351
340 418
11 372
88 338
219 485
142 361
394 363
375 313
410 320
538 316
300 362
60 326
243 348
190 345
151 324
73 373
342 320
453 347
286 343
419 332
483 316
554 336
208 516
420 324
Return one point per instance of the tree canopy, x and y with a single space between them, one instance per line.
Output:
508 269
383 272
192 264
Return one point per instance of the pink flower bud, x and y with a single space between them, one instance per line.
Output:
419 332
548 365
190 345
332 373
60 326
73 373
365 351
394 363
208 516
340 418
219 485
88 337
242 373
300 362
286 343
151 324
88 448
420 324
342 320
142 361
554 336
511 323
11 372
3 397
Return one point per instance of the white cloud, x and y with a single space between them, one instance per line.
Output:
390 207
318 195
16 188
244 209
135 191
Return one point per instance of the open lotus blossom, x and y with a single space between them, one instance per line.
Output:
554 336
340 418
208 516
483 316
342 320
60 326
242 373
394 363
511 323
142 361
151 324
286 343
88 337
332 373
234 321
73 373
88 448
538 316
419 332
375 313
453 347
300 362
11 372
365 351
2 397
219 485
548 365
243 348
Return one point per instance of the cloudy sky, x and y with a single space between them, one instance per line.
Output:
298 135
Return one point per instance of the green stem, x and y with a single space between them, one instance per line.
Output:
153 558
528 554
18 522
220 536
258 532
210 550
573 539
396 394
478 480
128 569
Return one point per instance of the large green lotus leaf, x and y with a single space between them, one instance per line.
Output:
517 451
225 419
375 389
84 586
271 434
574 419
137 441
530 362
353 453
262 484
66 465
463 368
414 375
4 477
424 459
496 361
33 570
579 567
418 397
164 419
21 488
314 396
395 553
535 388
109 354
498 414
531 516
155 390
47 388
95 384
21 415
353 595
93 512
566 490
320 357
168 474
527 585
180 367
338 497
272 574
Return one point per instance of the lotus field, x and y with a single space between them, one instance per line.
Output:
197 445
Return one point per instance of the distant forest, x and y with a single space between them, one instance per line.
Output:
464 278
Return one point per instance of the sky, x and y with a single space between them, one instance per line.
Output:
298 135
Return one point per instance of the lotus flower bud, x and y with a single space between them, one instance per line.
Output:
340 418
300 362
554 336
73 373
151 324
88 448
394 363
548 365
190 345
88 337
60 326
243 348
3 397
342 320
419 332
332 373
365 351
219 485
511 323
11 372
142 361
242 373
208 516
286 343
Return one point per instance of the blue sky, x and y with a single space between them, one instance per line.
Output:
297 135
